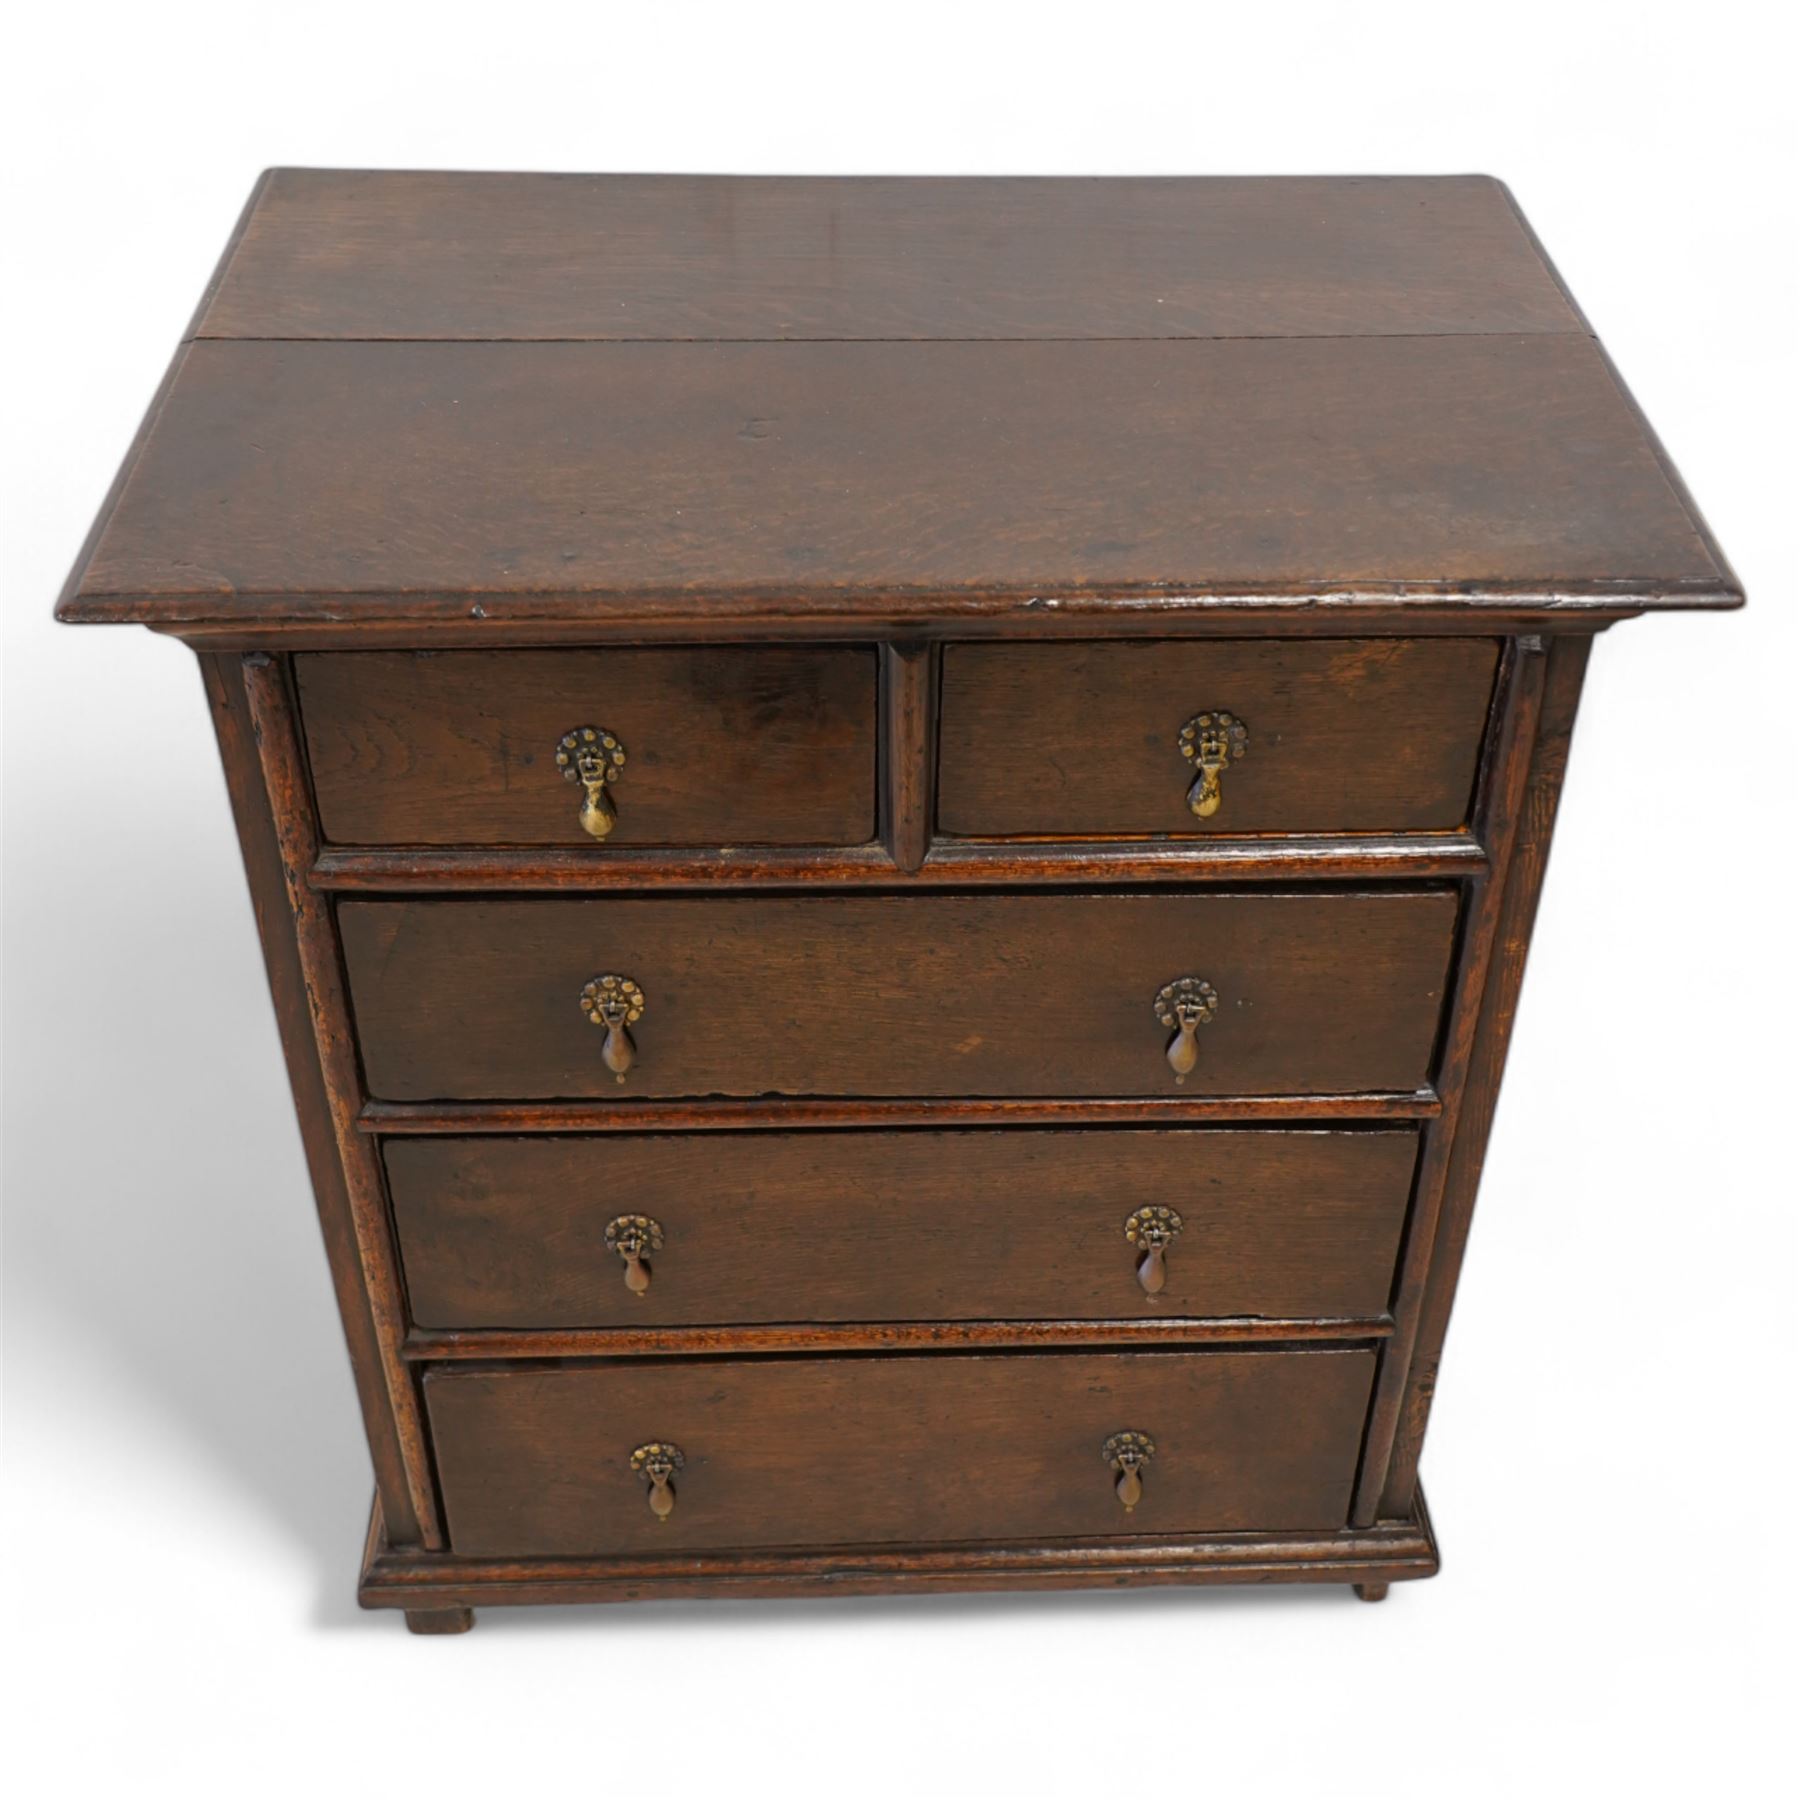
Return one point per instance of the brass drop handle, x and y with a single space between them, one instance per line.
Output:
614 1002
632 1235
1126 1454
1211 741
1183 1007
657 1463
1151 1230
591 755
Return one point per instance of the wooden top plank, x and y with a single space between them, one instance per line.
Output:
400 472
354 254
671 401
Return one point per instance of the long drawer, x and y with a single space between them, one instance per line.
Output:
926 1449
739 745
1286 993
549 1232
1107 740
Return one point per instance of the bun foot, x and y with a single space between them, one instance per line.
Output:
438 1621
1369 1590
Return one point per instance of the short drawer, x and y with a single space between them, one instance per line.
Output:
1087 740
899 1450
548 1232
769 745
928 994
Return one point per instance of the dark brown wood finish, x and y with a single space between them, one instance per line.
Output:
909 752
1422 609
439 1621
957 994
726 746
1490 1021
438 1118
276 921
896 527
1081 740
897 1450
338 253
536 1344
1508 767
1399 1552
867 1226
1424 856
269 712
281 481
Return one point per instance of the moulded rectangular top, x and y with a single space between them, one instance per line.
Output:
585 398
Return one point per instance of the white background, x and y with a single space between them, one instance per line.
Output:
1612 1465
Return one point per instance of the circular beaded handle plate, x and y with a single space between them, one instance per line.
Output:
1126 1453
632 1237
1183 1007
591 755
1152 1229
614 1001
658 1463
1211 740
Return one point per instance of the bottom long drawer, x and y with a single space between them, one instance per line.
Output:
634 1458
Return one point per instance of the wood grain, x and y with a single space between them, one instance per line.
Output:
363 254
494 1345
898 1450
909 680
947 994
1391 1552
1022 1225
286 481
1416 856
768 745
1502 801
454 1118
1490 1033
269 711
262 848
912 519
1079 740
581 621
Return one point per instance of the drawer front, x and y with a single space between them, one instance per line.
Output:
1085 740
883 1226
870 1450
771 745
940 994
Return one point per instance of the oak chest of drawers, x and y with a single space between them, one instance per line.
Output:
895 825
